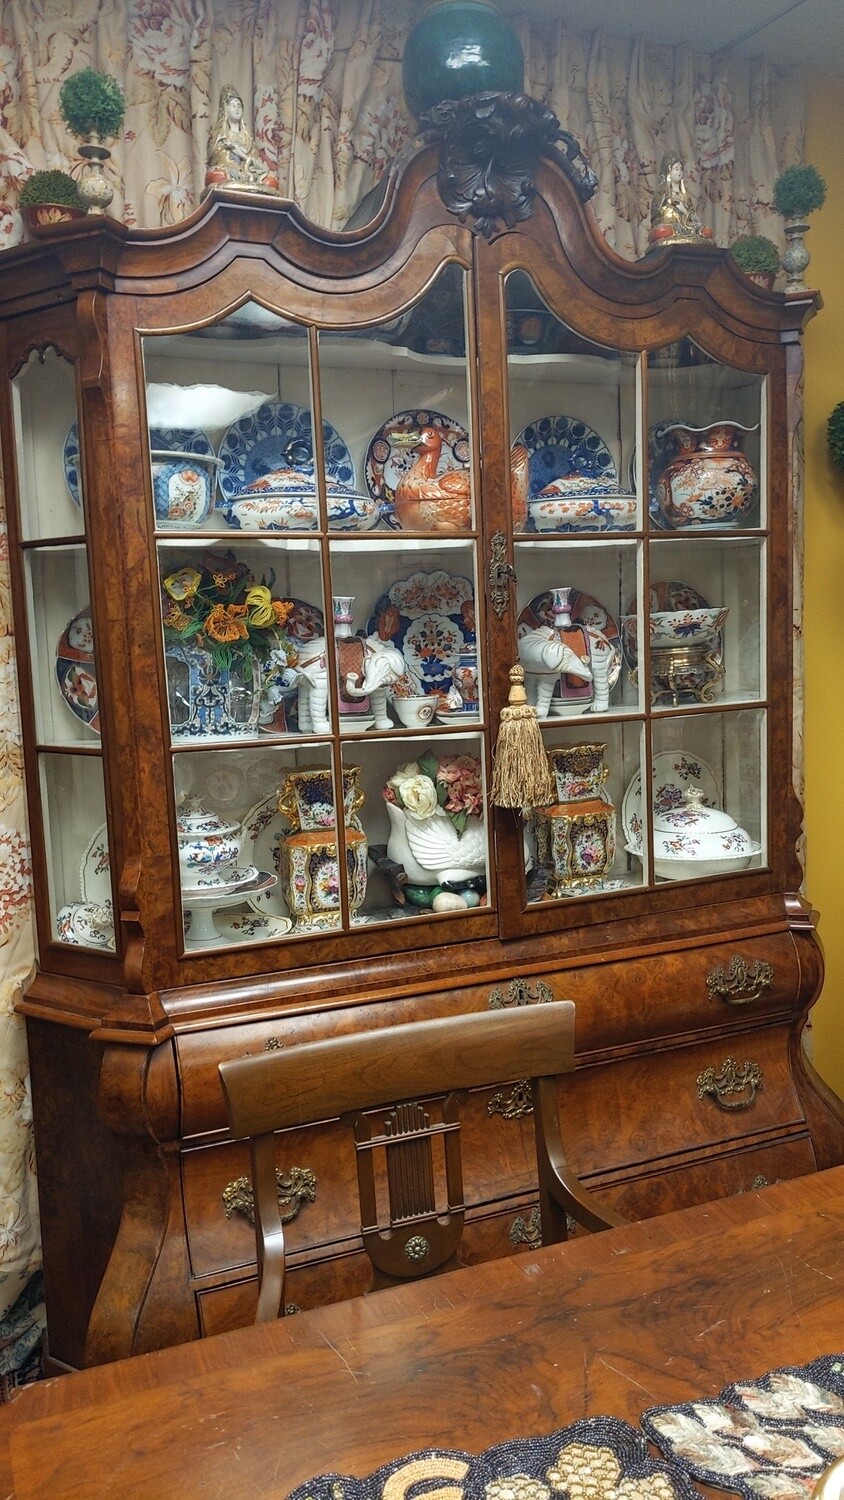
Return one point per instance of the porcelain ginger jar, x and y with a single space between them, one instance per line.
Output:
711 482
576 835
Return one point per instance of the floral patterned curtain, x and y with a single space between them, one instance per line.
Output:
323 78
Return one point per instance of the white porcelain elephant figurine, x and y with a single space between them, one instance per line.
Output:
368 668
545 658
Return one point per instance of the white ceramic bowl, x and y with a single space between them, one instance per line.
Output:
286 500
600 510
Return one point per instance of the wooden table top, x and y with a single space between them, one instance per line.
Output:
664 1310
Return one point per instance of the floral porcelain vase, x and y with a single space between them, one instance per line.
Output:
310 868
576 834
711 482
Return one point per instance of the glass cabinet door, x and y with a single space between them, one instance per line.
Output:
68 811
639 499
316 529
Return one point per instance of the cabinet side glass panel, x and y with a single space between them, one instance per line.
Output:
62 655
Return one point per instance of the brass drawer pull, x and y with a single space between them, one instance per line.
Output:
519 992
295 1189
527 1231
516 1104
732 1079
740 985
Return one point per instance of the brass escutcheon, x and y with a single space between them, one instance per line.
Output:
519 992
516 1104
501 573
527 1231
731 1079
740 985
295 1189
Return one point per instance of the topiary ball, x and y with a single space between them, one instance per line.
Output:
835 434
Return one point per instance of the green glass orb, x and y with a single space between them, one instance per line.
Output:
460 47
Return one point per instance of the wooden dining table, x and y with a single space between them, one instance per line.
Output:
664 1310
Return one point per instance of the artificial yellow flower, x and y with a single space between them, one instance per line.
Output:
227 622
183 584
176 618
259 602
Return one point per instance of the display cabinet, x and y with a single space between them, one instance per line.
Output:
285 507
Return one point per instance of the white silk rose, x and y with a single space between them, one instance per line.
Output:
419 796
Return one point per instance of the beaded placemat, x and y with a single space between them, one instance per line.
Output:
595 1458
765 1439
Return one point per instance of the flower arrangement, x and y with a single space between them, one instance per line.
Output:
835 434
756 255
424 786
50 187
218 606
92 103
798 191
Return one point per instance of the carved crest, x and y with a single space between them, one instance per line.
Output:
490 146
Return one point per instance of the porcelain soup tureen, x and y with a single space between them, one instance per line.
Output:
694 840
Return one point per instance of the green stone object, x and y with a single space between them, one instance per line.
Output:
421 895
460 47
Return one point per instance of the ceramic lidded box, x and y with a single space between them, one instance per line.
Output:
693 840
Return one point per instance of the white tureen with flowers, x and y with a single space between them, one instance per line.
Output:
435 810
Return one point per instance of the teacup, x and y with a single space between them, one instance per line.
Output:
415 712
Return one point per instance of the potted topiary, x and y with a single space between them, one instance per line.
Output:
799 191
92 107
835 435
49 198
758 257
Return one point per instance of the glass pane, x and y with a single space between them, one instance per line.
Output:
76 845
422 812
709 795
48 448
706 624
572 422
706 459
241 627
577 845
398 392
571 600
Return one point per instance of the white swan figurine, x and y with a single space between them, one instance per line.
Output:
431 849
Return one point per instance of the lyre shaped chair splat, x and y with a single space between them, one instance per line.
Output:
419 1236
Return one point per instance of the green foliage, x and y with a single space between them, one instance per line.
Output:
799 191
835 434
92 103
50 187
756 254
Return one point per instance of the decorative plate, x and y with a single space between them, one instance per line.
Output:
248 927
70 458
263 827
278 436
279 701
585 610
429 617
75 671
771 1437
95 869
673 772
564 448
386 461
247 882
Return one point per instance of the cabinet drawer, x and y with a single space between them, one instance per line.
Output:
717 1177
499 1160
335 1278
619 1003
643 1109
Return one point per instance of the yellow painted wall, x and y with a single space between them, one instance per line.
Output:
824 604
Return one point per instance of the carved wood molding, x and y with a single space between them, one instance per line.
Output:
490 144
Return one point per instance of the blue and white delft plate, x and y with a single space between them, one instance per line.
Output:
71 459
278 437
570 456
430 617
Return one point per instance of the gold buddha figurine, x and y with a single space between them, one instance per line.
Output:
233 161
673 220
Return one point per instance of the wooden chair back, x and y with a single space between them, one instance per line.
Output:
398 1071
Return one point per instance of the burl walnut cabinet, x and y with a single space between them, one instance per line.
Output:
231 602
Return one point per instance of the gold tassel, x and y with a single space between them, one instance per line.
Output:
521 774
